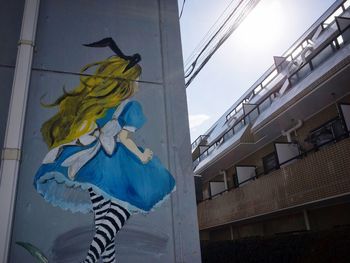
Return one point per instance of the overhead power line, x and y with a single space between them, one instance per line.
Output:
182 8
227 27
209 34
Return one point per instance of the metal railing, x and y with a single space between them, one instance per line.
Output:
261 87
290 55
201 139
303 154
312 61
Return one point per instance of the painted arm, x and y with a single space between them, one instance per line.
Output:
145 156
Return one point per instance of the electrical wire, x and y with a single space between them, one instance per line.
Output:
191 72
208 35
80 74
190 69
182 8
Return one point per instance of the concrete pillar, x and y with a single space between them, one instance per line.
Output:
224 174
306 220
150 28
231 232
185 225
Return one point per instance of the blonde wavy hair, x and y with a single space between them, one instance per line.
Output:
79 109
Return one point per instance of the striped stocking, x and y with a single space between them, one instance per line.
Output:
109 219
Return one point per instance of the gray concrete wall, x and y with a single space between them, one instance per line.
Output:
10 21
328 217
148 27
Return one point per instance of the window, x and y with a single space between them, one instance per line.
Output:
328 132
270 162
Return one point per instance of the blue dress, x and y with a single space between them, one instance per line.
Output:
119 176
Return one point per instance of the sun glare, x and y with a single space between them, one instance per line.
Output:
262 26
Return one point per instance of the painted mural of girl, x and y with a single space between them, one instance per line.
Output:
90 150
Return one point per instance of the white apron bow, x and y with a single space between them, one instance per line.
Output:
105 138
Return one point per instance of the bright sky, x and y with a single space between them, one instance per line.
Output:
269 30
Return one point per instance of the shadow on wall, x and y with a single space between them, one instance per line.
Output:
327 246
72 246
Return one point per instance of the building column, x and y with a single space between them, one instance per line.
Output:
306 220
224 174
185 224
11 153
231 233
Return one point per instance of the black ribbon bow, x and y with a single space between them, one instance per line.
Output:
109 42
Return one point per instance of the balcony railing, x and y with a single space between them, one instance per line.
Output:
202 139
292 55
330 132
312 61
318 175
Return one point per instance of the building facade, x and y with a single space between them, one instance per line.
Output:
278 160
42 53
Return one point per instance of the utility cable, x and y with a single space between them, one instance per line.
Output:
208 35
191 72
81 74
182 8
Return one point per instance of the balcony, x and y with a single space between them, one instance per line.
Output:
320 175
284 84
201 140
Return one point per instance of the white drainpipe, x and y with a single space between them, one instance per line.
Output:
288 133
11 152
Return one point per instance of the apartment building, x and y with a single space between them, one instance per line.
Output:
278 160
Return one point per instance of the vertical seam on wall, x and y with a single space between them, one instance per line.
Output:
167 140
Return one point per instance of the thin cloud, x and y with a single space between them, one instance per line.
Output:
197 120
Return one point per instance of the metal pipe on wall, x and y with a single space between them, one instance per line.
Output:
287 133
11 153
